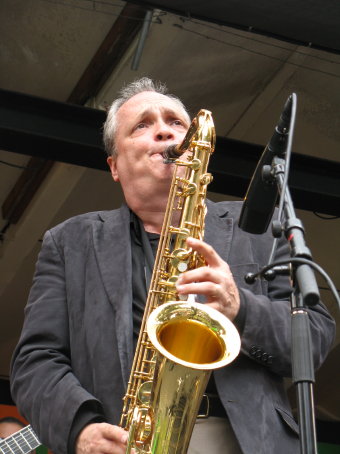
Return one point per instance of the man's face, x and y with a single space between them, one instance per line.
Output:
147 124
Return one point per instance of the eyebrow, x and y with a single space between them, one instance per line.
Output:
166 110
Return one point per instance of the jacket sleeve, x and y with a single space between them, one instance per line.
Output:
266 320
43 384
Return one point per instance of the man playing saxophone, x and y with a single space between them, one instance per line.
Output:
72 362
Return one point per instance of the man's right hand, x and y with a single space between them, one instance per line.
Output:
101 438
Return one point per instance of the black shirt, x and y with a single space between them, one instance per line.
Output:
143 250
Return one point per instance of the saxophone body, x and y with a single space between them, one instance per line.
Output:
180 342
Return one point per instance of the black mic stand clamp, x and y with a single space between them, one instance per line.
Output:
305 293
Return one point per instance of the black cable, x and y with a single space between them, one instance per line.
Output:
256 40
324 217
299 261
286 62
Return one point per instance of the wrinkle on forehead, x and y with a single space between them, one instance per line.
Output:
165 110
151 102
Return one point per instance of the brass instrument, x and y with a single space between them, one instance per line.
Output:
180 342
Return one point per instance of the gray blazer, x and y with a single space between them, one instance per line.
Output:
76 345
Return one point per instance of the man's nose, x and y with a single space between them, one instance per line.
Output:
164 132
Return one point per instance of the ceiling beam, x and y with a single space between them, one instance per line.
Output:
54 131
50 129
109 54
319 28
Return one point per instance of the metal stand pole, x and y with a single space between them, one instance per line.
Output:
306 292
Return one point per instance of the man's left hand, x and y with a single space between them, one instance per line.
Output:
214 281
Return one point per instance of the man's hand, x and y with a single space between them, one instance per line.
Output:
101 438
214 281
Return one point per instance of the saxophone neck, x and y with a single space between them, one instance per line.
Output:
202 126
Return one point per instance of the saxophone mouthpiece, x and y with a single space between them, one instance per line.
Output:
171 153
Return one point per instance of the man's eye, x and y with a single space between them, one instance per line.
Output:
140 126
177 123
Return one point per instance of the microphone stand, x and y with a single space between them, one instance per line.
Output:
305 293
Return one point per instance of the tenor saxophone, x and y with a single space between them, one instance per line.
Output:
180 341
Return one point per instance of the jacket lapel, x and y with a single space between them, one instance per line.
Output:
113 249
219 228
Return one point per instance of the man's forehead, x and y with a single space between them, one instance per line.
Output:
150 102
154 108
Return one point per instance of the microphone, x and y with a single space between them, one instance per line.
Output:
259 202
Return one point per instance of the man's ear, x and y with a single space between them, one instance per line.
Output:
112 162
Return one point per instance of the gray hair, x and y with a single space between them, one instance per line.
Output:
127 92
